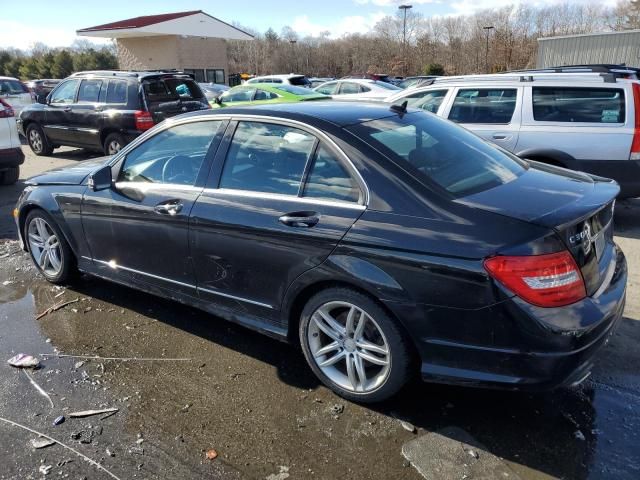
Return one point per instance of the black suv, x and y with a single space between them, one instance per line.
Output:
105 110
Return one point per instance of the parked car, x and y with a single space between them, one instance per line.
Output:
357 89
105 110
582 121
41 88
385 242
290 79
618 71
416 81
316 81
379 77
11 155
259 93
212 90
15 93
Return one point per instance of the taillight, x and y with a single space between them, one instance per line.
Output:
635 145
6 110
551 280
144 120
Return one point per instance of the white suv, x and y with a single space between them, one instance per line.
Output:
581 121
11 156
290 79
15 93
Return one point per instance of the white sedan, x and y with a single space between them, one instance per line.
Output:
11 156
357 89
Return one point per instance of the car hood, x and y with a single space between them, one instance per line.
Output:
70 175
547 195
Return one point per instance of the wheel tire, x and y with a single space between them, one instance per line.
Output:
113 143
10 176
399 360
38 141
67 259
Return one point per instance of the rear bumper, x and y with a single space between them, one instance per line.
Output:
625 172
11 157
554 347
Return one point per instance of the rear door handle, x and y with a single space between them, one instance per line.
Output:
499 136
171 207
300 219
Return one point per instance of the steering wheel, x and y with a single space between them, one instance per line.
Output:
177 170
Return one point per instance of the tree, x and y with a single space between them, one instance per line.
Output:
434 69
62 64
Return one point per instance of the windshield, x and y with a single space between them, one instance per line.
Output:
440 152
388 86
296 90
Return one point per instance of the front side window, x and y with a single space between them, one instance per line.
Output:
486 106
65 93
173 156
327 88
264 95
441 153
238 95
569 104
265 157
429 101
89 91
328 179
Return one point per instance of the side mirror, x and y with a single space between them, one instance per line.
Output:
218 100
101 179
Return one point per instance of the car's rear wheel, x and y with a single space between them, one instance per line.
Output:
38 141
113 143
10 176
353 346
49 249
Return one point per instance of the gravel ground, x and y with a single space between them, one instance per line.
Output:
255 401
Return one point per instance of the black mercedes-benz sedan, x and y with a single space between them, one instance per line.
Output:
384 241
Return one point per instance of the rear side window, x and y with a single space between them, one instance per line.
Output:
117 91
484 106
265 157
327 89
439 152
171 89
349 87
429 101
238 95
89 91
264 95
586 105
12 87
330 180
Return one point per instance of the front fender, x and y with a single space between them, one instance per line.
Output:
562 158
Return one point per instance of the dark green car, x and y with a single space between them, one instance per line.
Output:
259 93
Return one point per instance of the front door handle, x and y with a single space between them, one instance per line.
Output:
66 109
172 207
300 219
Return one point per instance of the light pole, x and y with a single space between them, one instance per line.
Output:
293 51
486 52
404 9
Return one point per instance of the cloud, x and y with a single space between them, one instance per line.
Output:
23 36
352 24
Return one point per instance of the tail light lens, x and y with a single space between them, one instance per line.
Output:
6 110
551 280
635 145
144 120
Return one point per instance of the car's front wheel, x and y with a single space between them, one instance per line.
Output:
38 142
49 249
353 346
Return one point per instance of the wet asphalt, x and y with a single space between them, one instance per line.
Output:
254 400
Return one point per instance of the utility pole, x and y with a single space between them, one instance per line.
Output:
486 52
404 9
293 51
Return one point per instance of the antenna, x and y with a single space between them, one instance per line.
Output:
400 109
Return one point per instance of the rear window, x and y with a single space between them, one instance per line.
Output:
573 104
171 89
439 152
12 87
300 81
486 106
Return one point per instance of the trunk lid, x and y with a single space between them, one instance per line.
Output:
169 96
577 206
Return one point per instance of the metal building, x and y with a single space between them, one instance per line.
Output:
606 48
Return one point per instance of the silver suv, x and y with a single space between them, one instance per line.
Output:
581 121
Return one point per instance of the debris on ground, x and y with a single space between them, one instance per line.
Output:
83 436
283 474
122 359
212 454
474 454
136 450
109 452
23 360
59 420
89 413
40 390
78 365
408 426
45 469
336 408
41 442
55 307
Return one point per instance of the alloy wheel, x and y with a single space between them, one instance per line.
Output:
348 346
35 140
113 147
45 246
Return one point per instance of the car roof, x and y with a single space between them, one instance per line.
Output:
337 113
284 76
141 74
9 78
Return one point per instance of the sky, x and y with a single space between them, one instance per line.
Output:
55 23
